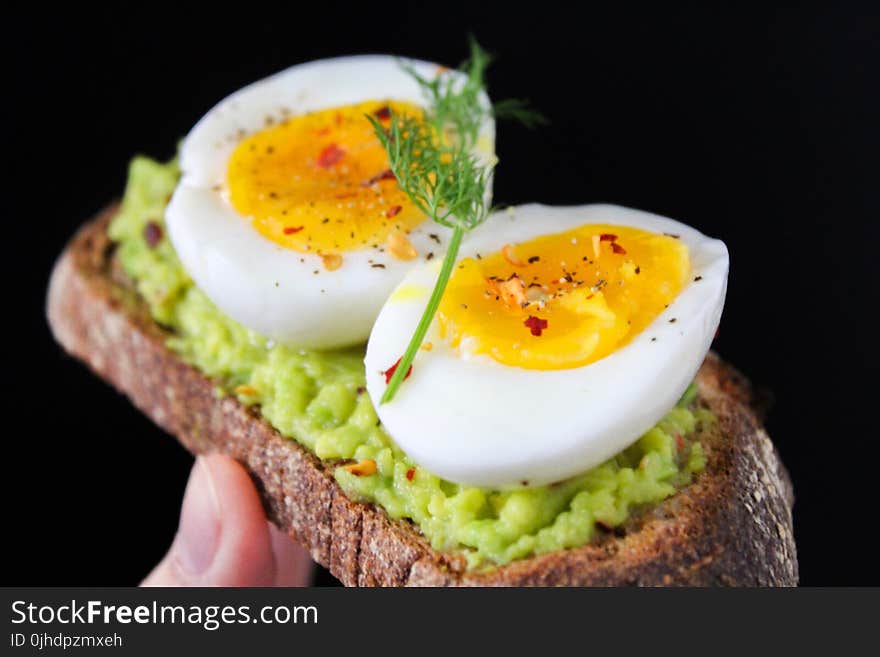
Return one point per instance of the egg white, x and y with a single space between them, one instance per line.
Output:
273 290
473 420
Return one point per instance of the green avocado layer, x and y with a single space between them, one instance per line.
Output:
317 399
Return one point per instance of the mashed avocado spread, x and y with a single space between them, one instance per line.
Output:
318 399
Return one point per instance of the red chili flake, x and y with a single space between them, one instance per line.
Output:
153 234
607 237
330 156
535 324
410 474
619 250
388 174
679 441
390 372
338 118
365 468
383 113
290 230
393 211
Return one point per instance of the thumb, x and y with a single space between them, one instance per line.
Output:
224 538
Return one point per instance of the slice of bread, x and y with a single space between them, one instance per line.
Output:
731 526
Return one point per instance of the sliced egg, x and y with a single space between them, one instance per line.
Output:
287 215
564 334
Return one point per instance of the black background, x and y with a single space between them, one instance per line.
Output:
757 127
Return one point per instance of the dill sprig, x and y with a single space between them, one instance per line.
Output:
447 183
454 108
435 164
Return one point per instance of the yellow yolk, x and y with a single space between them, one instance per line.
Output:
565 300
320 182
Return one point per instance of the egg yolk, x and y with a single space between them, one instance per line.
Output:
565 300
321 182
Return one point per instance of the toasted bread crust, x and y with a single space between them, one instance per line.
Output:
732 526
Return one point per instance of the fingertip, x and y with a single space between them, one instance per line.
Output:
223 538
244 556
293 563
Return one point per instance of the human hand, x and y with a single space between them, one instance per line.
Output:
224 538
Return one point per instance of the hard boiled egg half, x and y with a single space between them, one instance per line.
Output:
564 334
287 215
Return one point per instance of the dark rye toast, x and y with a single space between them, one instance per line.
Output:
731 526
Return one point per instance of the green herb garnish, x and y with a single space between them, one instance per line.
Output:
434 163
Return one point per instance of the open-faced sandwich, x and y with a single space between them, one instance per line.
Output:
427 392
